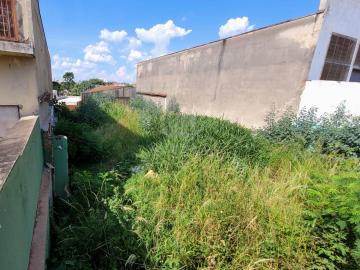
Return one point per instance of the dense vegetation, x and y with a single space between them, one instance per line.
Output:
161 190
68 85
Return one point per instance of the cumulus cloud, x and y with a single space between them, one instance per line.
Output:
235 26
134 43
81 68
136 55
115 36
160 35
98 52
124 75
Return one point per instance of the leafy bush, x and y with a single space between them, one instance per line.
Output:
333 213
334 133
83 143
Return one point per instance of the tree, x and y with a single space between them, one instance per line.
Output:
68 81
56 85
69 77
86 85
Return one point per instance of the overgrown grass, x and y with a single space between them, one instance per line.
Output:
187 192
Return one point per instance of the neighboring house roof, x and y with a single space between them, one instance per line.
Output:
70 100
109 87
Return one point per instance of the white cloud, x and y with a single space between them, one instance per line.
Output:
235 26
79 67
123 75
116 36
121 72
134 43
160 35
136 55
98 52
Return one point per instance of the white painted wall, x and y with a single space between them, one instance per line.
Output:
342 17
328 95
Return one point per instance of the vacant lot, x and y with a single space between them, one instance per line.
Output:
161 190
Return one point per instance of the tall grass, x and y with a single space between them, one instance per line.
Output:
209 194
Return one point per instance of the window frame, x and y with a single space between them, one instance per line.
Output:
15 24
351 65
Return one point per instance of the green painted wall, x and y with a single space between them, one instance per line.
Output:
18 204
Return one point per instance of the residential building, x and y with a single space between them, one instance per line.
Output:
72 102
120 92
310 61
26 175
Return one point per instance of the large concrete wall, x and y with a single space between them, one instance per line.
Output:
24 78
21 169
239 78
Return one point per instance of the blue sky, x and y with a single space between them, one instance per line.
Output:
106 38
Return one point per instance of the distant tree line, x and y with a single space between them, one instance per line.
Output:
68 85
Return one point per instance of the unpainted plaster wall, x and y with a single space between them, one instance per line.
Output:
239 78
24 79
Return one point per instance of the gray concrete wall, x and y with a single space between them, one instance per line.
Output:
239 78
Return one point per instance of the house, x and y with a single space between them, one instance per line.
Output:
310 61
26 176
72 102
120 92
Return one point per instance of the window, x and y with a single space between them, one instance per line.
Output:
355 75
338 58
8 26
357 60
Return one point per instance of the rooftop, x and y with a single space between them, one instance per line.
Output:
109 87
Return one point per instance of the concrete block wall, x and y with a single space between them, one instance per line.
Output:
240 78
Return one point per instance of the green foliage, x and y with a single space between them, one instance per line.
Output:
208 194
74 88
83 143
92 235
333 213
82 86
56 86
68 81
336 133
79 126
209 215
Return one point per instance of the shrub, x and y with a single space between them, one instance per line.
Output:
83 143
333 213
335 133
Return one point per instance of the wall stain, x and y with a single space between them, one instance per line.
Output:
219 68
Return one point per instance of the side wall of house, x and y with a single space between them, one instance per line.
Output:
341 17
240 78
43 63
25 78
